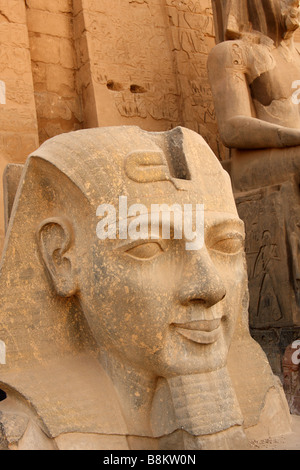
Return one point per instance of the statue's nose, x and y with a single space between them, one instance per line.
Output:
201 281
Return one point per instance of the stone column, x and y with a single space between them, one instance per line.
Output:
18 122
53 58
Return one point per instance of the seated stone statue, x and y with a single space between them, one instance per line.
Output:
253 73
118 342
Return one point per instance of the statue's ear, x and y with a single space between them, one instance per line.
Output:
56 243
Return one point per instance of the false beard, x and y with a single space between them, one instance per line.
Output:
205 413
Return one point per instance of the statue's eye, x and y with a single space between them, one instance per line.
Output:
145 251
230 245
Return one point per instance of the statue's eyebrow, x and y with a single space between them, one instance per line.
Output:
223 223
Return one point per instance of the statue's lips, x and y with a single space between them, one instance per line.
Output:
202 332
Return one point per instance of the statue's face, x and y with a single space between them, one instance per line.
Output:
291 12
162 308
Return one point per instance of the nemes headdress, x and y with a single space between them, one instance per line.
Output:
50 355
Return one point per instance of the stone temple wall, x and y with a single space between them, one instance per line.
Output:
18 123
53 60
72 64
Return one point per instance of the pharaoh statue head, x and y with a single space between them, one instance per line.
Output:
129 339
275 19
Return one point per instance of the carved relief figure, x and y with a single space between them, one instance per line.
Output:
122 344
264 269
294 243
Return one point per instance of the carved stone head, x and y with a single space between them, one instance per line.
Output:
291 15
152 302
146 307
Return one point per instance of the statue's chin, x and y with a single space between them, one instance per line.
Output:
292 24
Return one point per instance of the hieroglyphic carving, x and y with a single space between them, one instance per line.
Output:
130 105
191 25
271 235
264 272
154 74
133 72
